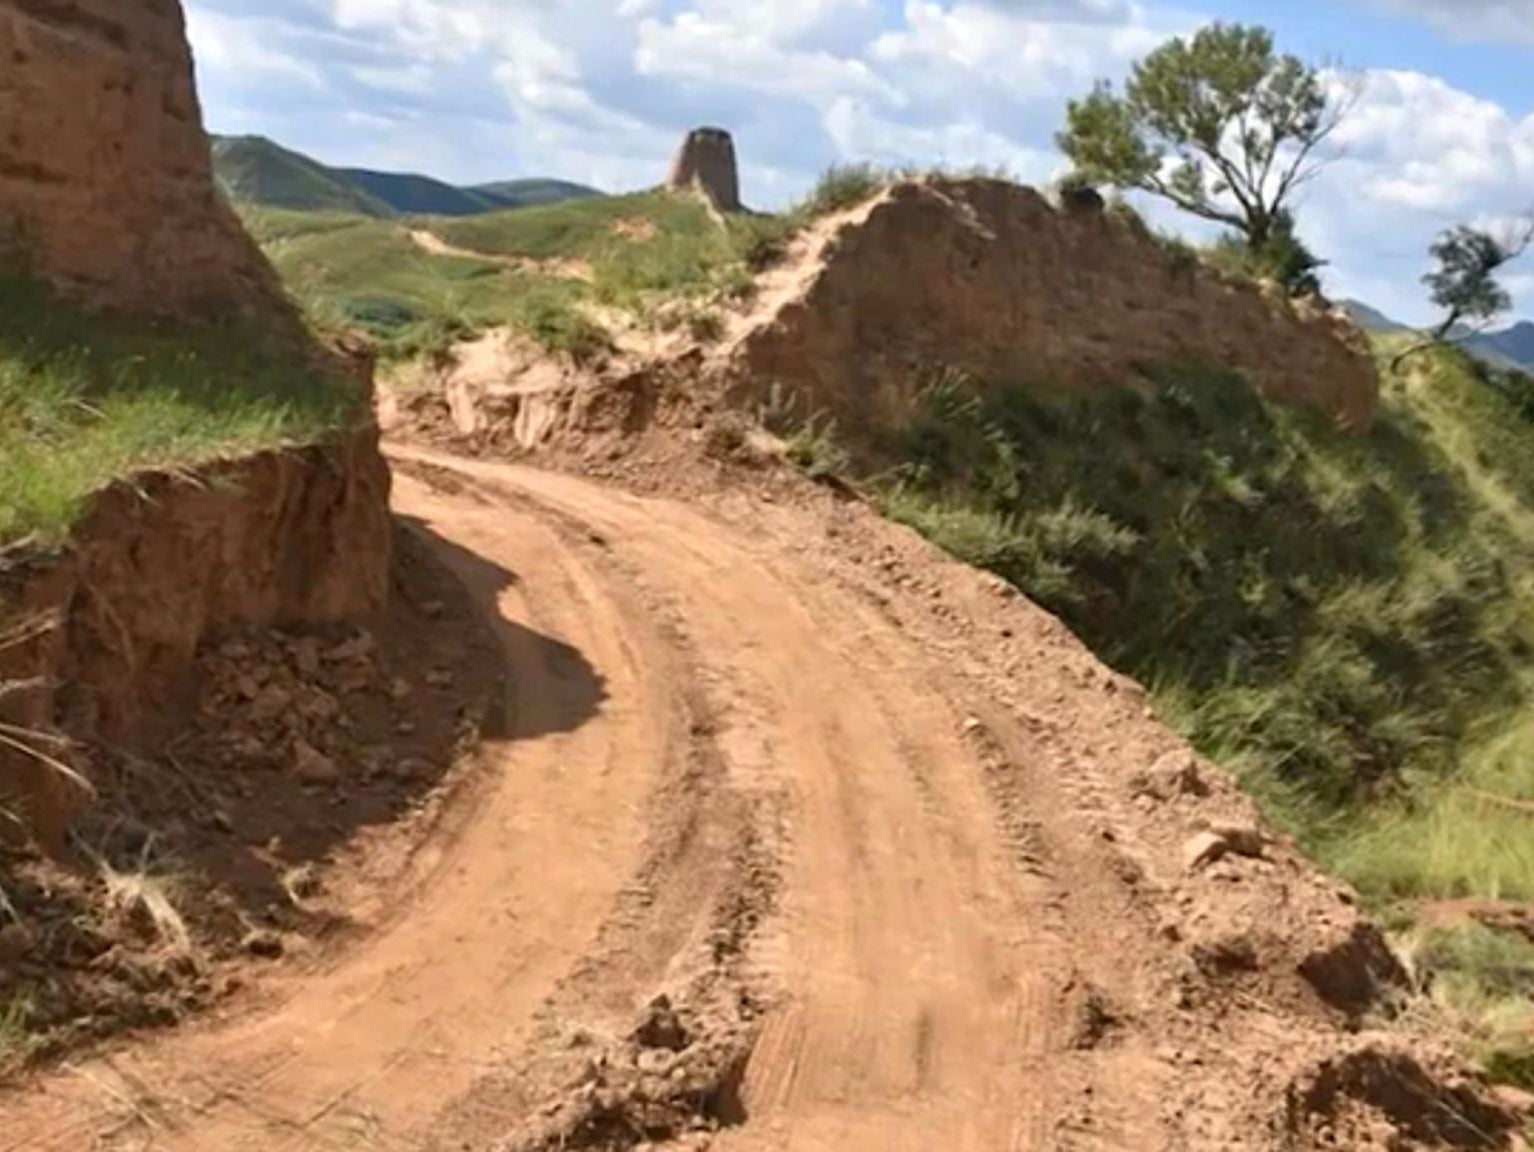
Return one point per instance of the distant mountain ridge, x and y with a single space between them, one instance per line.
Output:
1371 319
1506 348
255 170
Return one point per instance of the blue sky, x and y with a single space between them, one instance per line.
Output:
601 90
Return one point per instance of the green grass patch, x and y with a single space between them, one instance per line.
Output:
644 251
844 186
356 272
641 247
1344 621
85 400
1482 984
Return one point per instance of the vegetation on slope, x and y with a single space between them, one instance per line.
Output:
637 246
635 253
1345 622
351 271
85 400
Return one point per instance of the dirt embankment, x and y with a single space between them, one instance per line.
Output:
989 278
106 185
112 621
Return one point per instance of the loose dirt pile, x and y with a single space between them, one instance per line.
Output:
312 764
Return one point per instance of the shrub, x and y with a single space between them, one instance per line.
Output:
845 186
557 323
1283 259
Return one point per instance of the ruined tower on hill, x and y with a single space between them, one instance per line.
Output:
706 163
106 184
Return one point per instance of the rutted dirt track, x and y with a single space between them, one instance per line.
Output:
898 902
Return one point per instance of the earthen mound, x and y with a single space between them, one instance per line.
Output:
986 277
106 183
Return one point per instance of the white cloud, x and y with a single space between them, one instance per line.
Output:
1421 144
1018 49
411 79
1493 20
229 46
719 48
1418 156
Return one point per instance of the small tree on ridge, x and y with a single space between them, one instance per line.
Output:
1464 284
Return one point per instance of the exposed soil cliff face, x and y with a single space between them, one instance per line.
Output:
164 562
988 277
106 185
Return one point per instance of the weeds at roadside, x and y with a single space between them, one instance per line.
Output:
16 1038
145 893
1480 986
557 323
814 449
1329 616
85 400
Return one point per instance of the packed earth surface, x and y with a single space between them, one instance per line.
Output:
782 831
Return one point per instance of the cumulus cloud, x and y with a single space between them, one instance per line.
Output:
1492 20
1417 155
226 47
1420 143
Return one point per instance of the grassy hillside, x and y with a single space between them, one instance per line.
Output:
1347 623
254 171
641 251
533 193
352 271
85 400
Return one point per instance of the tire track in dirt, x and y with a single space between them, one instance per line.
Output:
907 932
357 1053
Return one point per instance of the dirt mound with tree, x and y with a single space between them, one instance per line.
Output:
989 278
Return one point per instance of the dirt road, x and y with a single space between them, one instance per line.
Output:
893 910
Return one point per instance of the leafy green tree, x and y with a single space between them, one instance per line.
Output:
1464 282
1221 125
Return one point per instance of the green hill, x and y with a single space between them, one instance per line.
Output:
1371 319
416 195
646 253
533 193
254 171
